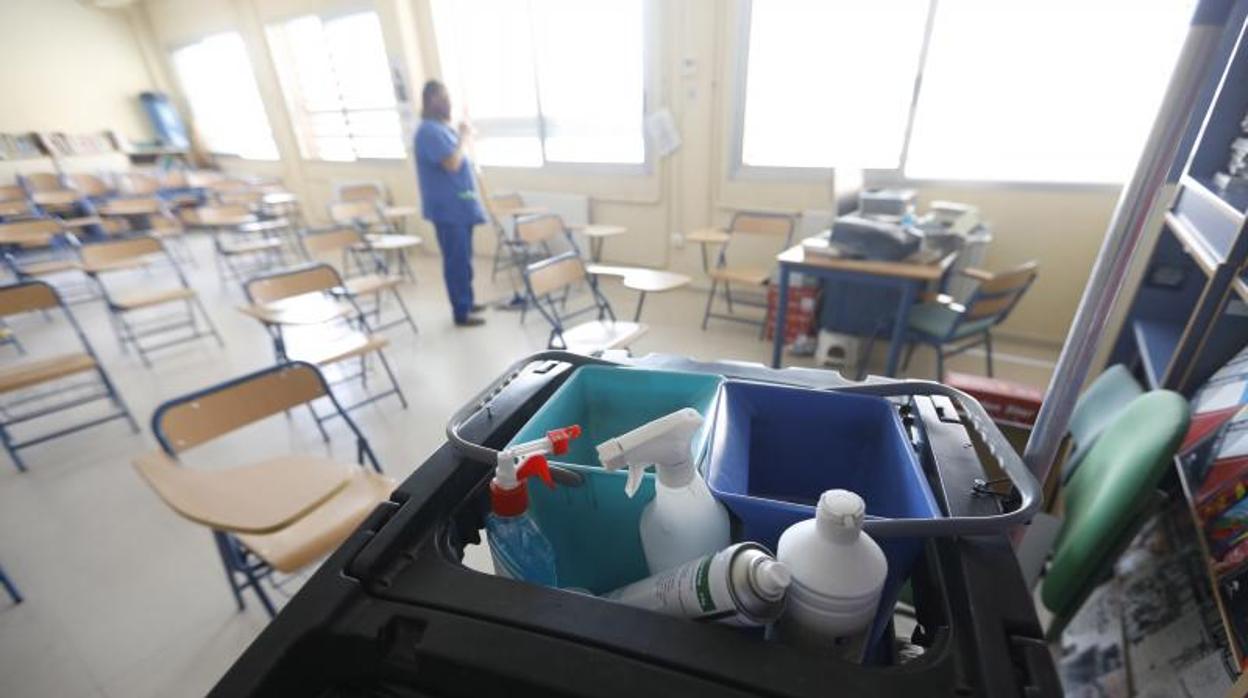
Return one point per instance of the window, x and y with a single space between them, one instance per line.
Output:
546 81
830 83
338 86
1055 91
219 84
1052 91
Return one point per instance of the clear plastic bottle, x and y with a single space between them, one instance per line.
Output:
517 545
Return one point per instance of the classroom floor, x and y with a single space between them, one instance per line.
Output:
124 598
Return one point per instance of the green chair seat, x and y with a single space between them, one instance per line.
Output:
1108 494
937 320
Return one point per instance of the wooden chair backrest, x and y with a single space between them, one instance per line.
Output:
12 192
332 240
37 231
504 204
27 296
295 282
995 296
88 184
553 274
216 215
539 228
15 207
100 253
761 223
362 192
240 197
43 181
348 212
219 410
131 207
53 197
138 183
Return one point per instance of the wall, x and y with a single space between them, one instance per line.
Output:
71 68
694 55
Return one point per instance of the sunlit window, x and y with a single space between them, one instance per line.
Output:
1051 91
830 83
546 80
219 84
338 86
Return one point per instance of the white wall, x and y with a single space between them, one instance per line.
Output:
71 68
1059 226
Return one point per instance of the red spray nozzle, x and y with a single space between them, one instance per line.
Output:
559 438
536 465
513 501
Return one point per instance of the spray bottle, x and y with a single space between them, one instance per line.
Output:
517 545
684 521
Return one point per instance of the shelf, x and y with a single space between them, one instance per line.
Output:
1210 575
1156 341
1200 249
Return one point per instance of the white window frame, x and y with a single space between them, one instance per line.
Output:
738 170
299 115
651 86
183 98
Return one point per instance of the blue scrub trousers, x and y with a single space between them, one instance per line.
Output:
455 240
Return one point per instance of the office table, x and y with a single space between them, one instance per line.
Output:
907 277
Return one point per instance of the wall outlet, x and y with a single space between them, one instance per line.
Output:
678 241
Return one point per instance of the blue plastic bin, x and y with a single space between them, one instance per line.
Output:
594 528
775 449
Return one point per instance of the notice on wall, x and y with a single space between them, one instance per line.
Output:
662 132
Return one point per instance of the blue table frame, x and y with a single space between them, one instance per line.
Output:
908 278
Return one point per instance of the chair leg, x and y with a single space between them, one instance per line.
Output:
227 561
208 321
710 298
393 381
398 297
728 297
988 351
116 399
10 587
905 360
940 363
316 418
253 580
8 446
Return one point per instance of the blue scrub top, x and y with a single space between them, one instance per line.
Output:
445 197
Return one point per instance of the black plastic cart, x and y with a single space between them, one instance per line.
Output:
394 613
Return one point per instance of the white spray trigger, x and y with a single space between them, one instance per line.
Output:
635 473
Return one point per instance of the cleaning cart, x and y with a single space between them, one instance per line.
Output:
394 611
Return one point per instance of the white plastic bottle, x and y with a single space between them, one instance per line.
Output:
684 521
837 575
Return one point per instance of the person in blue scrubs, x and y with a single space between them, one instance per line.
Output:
448 197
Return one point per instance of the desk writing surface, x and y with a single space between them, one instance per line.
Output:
707 235
640 278
600 230
797 255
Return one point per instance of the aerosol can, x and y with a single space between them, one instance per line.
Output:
517 545
739 585
684 521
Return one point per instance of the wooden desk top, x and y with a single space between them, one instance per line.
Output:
307 309
600 230
642 279
713 236
798 256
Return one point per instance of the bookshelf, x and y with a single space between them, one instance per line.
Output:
1189 314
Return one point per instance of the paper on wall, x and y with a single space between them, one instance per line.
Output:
662 132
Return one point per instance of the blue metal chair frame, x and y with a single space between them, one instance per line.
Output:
243 568
8 419
279 341
378 266
10 587
721 261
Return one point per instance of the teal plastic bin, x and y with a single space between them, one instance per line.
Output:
593 528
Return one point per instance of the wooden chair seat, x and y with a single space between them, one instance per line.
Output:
257 498
754 276
320 531
392 242
34 372
600 335
250 247
371 283
51 266
81 221
147 299
333 350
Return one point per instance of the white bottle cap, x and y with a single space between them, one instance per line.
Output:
839 515
771 579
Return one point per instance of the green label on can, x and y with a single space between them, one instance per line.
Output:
703 585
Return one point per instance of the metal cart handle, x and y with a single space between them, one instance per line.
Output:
1000 449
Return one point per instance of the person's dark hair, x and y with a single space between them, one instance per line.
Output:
432 89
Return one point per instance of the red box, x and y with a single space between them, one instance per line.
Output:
1007 403
800 316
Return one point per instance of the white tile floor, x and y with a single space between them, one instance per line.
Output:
124 598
